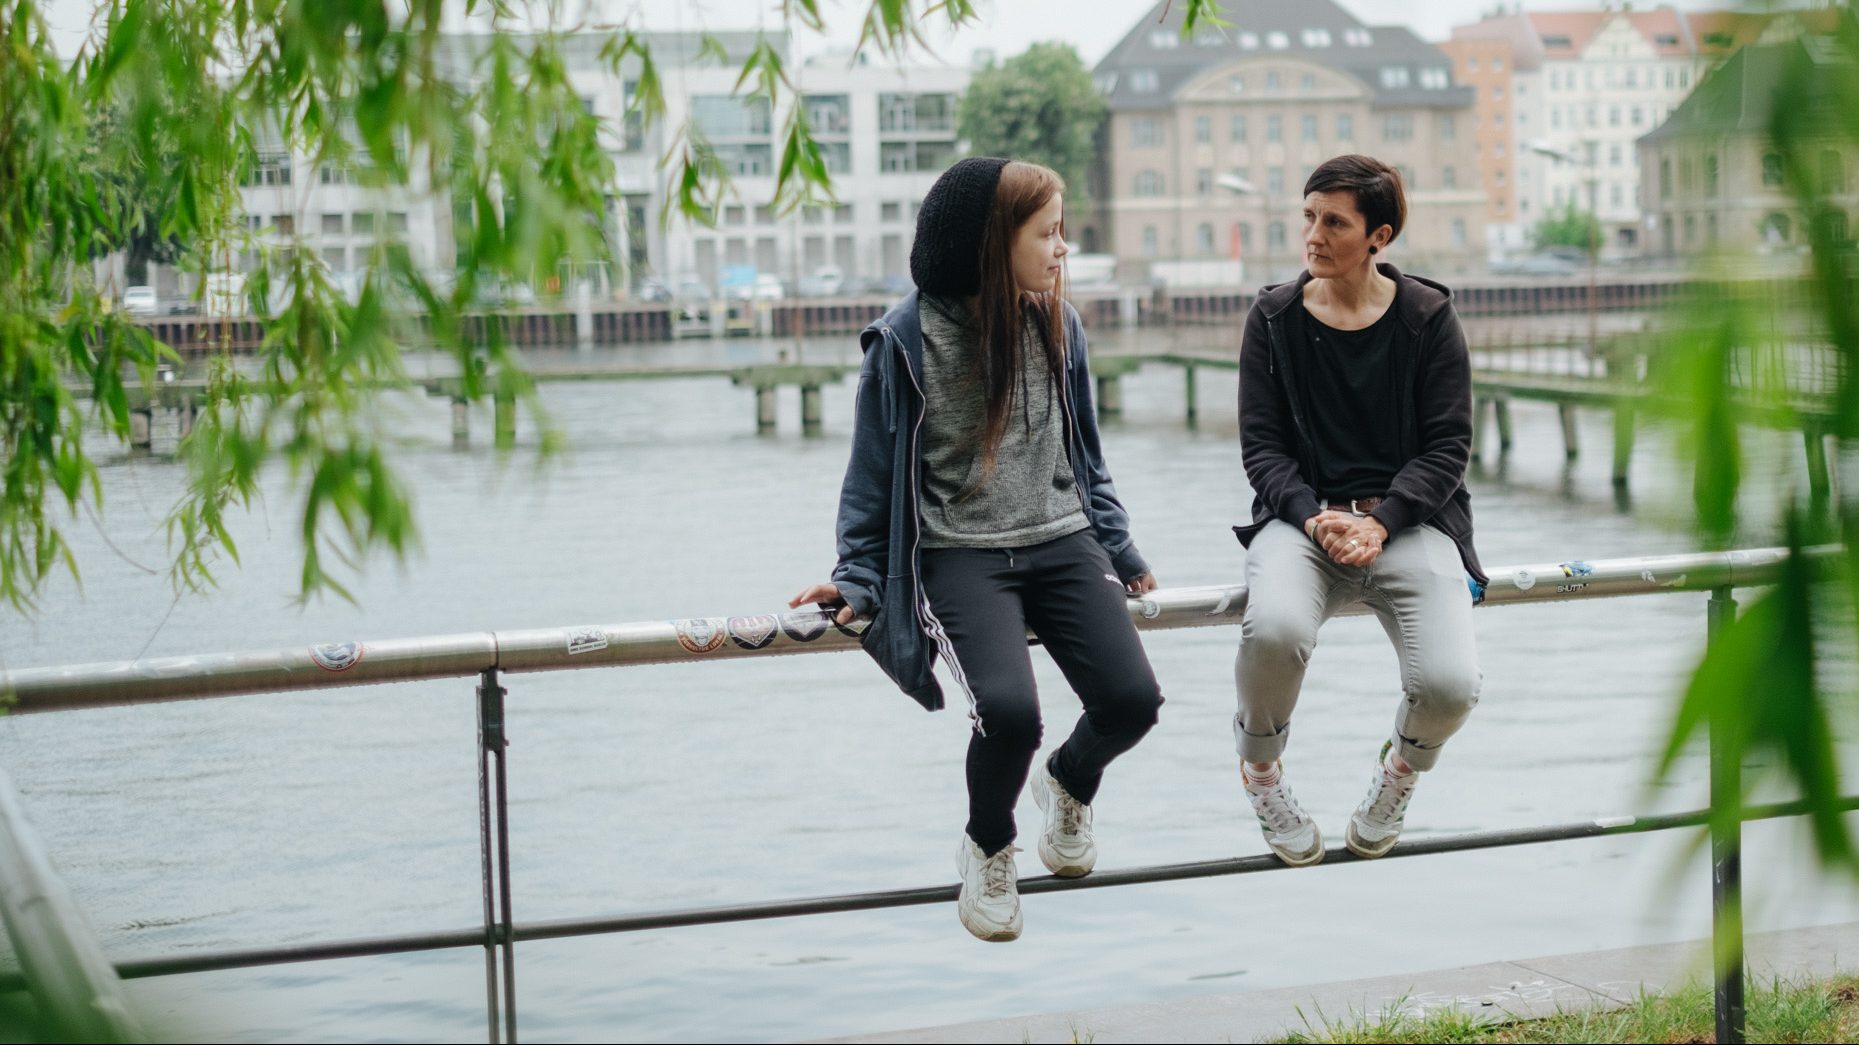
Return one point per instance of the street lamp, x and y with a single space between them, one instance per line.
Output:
1593 178
1239 186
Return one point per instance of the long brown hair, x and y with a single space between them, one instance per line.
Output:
1002 311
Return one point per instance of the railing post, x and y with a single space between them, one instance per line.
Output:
494 834
1726 853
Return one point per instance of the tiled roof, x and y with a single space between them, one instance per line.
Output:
1147 68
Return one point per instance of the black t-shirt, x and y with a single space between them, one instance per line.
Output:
1349 384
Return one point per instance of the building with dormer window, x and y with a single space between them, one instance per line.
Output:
1209 140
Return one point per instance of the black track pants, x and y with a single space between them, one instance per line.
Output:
982 603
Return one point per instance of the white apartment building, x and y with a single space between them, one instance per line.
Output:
1587 84
334 210
886 134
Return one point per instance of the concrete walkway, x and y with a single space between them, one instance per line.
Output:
1500 990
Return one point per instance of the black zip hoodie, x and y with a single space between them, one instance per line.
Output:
1433 386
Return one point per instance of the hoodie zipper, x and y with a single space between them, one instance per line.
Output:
894 344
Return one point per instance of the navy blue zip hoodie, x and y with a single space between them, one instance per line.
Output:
1433 381
879 522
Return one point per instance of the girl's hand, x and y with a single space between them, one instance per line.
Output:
1140 585
827 595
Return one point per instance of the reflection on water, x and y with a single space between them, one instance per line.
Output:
292 818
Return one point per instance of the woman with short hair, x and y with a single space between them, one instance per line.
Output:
1355 414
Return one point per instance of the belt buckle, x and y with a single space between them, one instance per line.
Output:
1353 510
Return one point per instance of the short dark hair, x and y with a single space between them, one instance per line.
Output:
1376 187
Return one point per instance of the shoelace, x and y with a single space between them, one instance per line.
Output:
1280 809
1073 815
1390 794
997 874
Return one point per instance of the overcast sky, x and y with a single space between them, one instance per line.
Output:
1006 26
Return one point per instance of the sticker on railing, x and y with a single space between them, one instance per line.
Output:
586 640
336 656
753 632
700 634
1576 569
1523 579
1151 609
805 626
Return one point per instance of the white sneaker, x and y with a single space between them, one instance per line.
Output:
1065 846
1291 833
989 904
1376 824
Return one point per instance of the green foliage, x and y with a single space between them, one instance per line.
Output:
1039 106
1568 227
1765 688
1778 1011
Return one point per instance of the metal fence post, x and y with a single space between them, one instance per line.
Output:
1726 854
494 834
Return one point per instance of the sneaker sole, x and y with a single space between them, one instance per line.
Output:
1366 850
1005 934
1056 862
1315 856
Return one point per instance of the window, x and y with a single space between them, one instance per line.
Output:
912 113
270 168
1249 41
746 159
1238 127
1684 174
1275 180
721 116
829 113
1245 235
1774 228
361 223
1665 177
1274 128
1164 39
1204 181
890 211
1497 92
1149 183
1277 41
1615 196
1236 85
1149 250
843 214
1393 76
1471 64
1555 117
1593 113
1275 235
1345 127
1448 127
734 215
1308 129
1448 178
1143 81
1613 155
1832 172
906 157
1145 131
1613 116
1772 170
332 224
1497 66
1203 130
1204 239
286 224
1458 233
397 221
1315 37
838 156
1358 38
1307 83
1639 116
1272 83
1434 79
1397 127
1710 175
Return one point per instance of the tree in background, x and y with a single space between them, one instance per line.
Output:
1039 106
1568 227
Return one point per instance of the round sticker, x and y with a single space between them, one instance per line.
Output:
1524 579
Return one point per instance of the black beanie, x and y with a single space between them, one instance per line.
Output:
945 260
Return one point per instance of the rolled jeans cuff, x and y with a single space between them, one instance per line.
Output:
1421 758
1261 748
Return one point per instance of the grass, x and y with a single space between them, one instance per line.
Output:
1818 1011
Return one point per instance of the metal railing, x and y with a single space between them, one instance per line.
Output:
56 937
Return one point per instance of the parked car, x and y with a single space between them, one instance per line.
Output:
827 281
767 288
140 301
651 291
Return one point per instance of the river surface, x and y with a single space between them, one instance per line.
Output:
262 820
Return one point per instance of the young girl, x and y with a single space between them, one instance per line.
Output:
976 506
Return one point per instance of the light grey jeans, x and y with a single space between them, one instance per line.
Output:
1416 587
